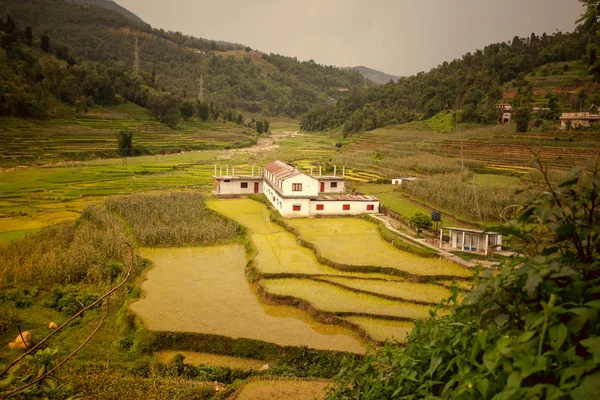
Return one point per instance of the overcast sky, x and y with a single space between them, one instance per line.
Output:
400 37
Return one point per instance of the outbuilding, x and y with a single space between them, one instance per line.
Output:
471 240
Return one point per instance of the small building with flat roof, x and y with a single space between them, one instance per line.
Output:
471 240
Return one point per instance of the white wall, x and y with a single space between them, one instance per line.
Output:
286 206
337 207
310 186
341 186
235 187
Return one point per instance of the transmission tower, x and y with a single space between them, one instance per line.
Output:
201 89
136 58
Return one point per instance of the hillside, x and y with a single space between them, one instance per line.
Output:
111 5
380 78
173 62
476 83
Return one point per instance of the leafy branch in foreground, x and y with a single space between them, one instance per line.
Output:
530 331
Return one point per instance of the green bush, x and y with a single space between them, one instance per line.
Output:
8 317
69 299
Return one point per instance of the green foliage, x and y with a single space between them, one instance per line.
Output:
20 298
165 108
186 109
266 126
259 127
45 43
69 299
419 220
203 111
8 317
522 117
530 331
125 143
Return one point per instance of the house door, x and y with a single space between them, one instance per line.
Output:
255 187
322 187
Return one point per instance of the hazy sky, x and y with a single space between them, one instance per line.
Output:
399 37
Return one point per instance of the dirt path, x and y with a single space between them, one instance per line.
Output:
264 144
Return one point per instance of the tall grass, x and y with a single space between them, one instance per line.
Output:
173 219
454 192
67 253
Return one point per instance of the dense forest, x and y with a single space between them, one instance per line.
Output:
472 83
103 40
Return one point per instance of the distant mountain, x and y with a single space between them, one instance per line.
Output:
111 5
380 78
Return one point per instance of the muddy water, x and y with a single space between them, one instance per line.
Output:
205 290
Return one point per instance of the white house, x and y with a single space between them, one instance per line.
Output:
399 181
296 194
472 240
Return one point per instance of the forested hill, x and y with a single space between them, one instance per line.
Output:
111 5
474 83
378 77
234 76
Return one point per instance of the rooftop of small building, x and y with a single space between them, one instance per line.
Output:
471 230
329 177
347 197
238 177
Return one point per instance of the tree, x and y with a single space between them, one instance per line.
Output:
530 330
10 25
29 36
266 126
125 139
554 108
419 220
240 119
187 110
522 117
259 127
165 108
45 43
203 111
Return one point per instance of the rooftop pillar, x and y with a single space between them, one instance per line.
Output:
344 170
320 170
227 169
215 169
252 169
334 170
221 170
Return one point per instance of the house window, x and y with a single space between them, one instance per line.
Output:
296 187
370 207
333 185
297 207
273 198
346 207
244 185
320 207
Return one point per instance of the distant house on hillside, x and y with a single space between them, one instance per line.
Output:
578 120
400 181
296 194
506 110
343 90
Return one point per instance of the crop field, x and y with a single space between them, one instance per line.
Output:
215 360
283 389
95 135
338 239
205 290
381 329
421 292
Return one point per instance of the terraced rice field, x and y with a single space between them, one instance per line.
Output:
205 290
353 241
341 301
410 291
381 330
293 272
283 388
215 360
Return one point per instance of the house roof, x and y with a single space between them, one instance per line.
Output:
347 197
329 178
281 170
471 231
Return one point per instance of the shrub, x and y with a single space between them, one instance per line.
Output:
8 317
69 299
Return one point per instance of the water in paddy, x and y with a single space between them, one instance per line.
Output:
204 289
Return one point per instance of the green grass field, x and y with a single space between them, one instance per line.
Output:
297 389
205 290
357 242
215 360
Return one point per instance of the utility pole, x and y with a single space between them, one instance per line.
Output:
136 58
201 89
